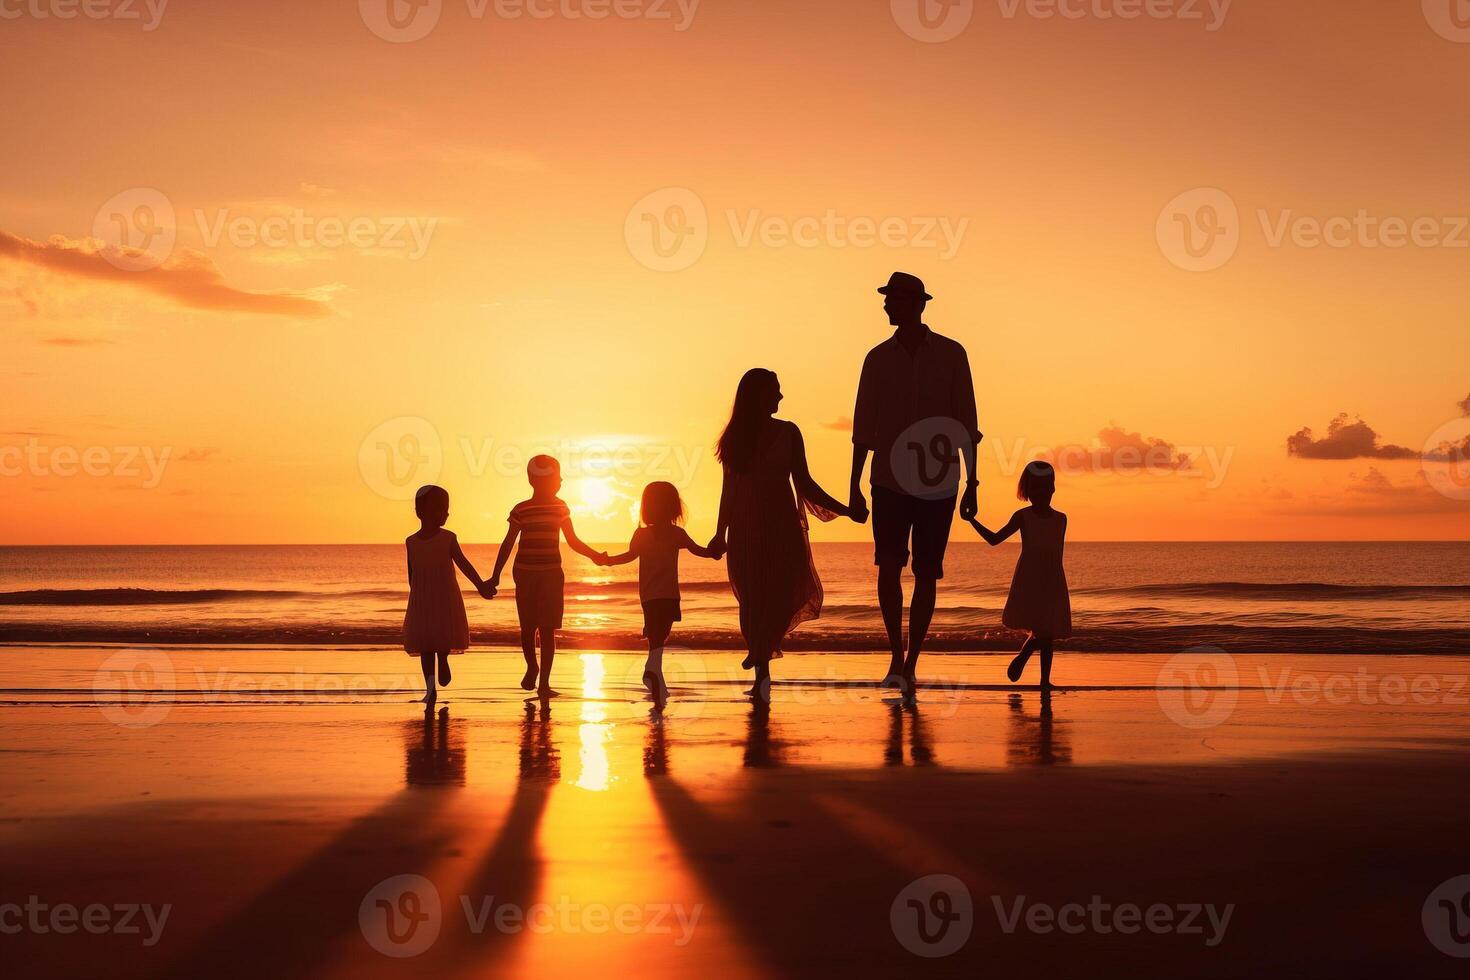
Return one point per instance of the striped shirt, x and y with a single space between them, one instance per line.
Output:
540 526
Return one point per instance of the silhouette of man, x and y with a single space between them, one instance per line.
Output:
915 413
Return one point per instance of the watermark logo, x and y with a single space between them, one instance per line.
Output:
401 916
148 13
138 229
399 456
401 21
932 21
667 231
42 918
925 458
933 916
1203 919
128 685
1199 231
1446 917
1450 19
1446 459
1199 688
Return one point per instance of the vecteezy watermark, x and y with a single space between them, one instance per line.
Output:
148 13
1097 917
1446 459
1201 229
403 917
1450 19
932 916
64 919
1198 688
1363 688
139 230
400 455
936 21
37 459
129 686
669 229
1446 917
406 21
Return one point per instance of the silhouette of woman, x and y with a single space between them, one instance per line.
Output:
763 524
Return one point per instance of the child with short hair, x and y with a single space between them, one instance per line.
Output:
539 524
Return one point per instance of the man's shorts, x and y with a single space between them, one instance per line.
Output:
897 517
539 601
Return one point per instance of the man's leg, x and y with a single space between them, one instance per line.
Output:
921 611
890 601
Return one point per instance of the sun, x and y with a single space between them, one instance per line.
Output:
596 494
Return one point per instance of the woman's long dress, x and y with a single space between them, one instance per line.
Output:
770 555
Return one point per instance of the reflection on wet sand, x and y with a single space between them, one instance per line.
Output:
761 751
539 756
656 745
921 751
434 751
1036 741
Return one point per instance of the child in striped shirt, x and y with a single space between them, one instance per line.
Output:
539 524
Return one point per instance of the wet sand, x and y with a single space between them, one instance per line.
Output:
265 796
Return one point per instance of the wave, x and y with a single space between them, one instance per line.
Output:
136 597
1106 638
1284 591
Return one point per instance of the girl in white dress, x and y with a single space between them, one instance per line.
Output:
1039 601
435 624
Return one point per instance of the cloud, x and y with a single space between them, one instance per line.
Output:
1117 450
1346 439
1373 494
189 279
842 423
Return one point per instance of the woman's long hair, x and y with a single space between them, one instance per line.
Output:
736 447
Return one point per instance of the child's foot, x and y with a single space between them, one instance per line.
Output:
528 682
445 676
747 663
657 689
1014 670
894 677
544 691
429 698
761 691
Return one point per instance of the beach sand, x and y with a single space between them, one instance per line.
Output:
266 796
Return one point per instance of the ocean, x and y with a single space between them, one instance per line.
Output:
1127 597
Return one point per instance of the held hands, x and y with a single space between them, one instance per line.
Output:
602 559
969 506
489 589
717 547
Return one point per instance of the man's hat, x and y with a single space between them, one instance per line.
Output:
903 284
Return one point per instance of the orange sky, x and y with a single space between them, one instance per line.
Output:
494 298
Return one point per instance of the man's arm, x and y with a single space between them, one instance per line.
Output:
862 442
964 409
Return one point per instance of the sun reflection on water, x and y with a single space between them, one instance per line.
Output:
595 732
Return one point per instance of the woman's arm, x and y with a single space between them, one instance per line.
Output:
722 524
806 486
996 537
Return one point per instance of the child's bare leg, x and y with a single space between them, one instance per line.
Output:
548 654
653 670
426 661
1022 658
528 648
1046 652
445 676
